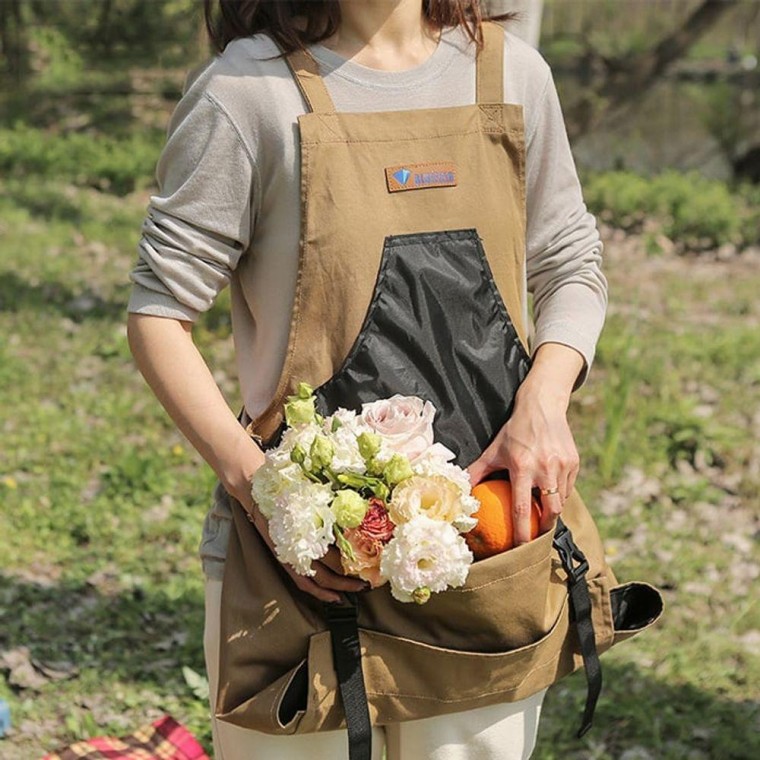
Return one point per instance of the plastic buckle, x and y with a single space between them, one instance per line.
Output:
570 553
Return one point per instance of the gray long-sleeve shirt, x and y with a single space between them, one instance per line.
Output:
228 206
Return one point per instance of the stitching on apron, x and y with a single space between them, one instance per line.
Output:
426 138
480 695
326 123
295 320
503 577
493 114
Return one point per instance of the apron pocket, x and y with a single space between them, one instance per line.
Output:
635 607
409 680
510 600
436 328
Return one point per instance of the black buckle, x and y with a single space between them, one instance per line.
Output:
573 559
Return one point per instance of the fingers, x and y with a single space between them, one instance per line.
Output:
332 560
551 507
481 467
521 507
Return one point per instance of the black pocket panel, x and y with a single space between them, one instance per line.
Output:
437 328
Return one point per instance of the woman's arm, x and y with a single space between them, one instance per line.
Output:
536 444
177 373
563 257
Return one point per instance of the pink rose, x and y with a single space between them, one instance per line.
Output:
406 422
366 562
377 524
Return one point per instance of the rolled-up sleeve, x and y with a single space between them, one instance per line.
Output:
564 250
200 222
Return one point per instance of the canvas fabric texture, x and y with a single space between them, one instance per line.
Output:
507 633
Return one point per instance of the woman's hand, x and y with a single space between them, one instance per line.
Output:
328 579
536 445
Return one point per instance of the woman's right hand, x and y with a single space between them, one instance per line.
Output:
328 579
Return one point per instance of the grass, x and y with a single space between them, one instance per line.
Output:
102 500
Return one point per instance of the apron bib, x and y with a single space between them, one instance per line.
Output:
410 281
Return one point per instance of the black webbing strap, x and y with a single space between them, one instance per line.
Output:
347 657
576 566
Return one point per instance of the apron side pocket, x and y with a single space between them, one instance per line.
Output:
293 701
635 607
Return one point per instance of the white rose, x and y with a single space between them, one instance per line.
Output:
404 422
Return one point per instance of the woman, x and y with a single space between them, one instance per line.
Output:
229 211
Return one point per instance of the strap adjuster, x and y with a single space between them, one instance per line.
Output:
573 559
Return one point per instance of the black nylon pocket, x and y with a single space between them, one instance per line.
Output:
436 328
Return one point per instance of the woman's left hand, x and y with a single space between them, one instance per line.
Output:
536 445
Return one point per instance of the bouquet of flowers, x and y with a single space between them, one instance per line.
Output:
375 484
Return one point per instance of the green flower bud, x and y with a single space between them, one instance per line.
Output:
321 451
299 410
342 543
336 425
298 454
304 391
397 469
349 509
369 445
421 594
381 491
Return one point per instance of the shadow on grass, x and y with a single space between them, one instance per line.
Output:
17 295
139 635
667 721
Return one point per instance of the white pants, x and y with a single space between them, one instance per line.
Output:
499 732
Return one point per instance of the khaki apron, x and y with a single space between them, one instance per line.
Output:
410 281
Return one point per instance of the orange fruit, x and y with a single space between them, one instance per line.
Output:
494 532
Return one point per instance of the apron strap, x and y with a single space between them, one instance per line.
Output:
576 566
305 71
490 65
342 622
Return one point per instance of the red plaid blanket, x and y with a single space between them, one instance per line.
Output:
165 739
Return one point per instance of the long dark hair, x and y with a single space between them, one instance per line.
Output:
228 20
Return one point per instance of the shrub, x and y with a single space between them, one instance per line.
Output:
117 165
693 211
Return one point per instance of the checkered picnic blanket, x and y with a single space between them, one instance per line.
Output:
165 739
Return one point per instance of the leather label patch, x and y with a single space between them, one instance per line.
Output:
421 176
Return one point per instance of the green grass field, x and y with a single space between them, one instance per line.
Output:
102 500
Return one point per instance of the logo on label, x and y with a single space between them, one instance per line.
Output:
402 175
421 176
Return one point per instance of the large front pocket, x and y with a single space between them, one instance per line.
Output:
436 328
509 601
407 679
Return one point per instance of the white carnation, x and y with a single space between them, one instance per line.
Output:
274 480
347 457
348 420
301 525
304 435
425 554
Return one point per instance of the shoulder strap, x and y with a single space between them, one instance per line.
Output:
305 70
490 65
